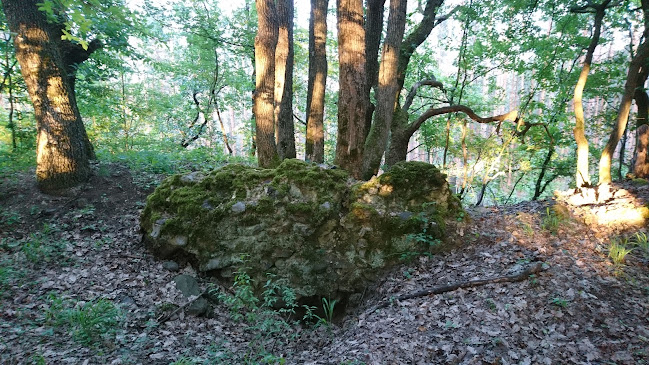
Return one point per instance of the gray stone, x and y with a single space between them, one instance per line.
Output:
187 285
190 289
325 205
405 215
239 207
171 266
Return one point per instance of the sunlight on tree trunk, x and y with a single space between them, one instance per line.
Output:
265 43
582 176
62 146
316 87
638 62
284 58
387 91
641 166
352 98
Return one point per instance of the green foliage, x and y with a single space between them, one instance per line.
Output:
269 319
551 221
89 323
560 302
617 252
642 241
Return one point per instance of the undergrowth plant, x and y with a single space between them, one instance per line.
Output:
642 242
551 221
89 323
270 319
617 252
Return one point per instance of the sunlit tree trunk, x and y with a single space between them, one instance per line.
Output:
284 57
265 44
387 90
63 149
641 166
582 176
637 65
314 147
352 97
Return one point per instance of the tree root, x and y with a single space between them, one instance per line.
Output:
531 270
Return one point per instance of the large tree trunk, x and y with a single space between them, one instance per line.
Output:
582 176
284 57
373 31
637 65
387 91
398 145
63 148
352 96
315 98
641 166
265 43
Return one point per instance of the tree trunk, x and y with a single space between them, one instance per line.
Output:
265 44
641 166
284 57
63 148
637 65
538 187
373 32
398 147
387 91
582 176
315 99
352 97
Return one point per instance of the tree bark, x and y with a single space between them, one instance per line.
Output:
398 145
265 44
582 176
284 59
641 166
314 148
373 32
637 65
352 96
63 147
387 91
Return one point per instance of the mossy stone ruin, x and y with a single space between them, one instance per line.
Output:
323 233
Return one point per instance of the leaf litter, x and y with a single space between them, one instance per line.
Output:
579 309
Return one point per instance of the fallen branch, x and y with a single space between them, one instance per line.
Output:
532 269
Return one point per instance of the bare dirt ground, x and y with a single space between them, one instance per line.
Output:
58 254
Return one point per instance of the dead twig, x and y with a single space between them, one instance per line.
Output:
532 269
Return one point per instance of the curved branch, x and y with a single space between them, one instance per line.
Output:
413 91
432 112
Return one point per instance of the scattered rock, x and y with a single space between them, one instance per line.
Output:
171 266
189 287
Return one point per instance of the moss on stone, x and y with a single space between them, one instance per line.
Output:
299 221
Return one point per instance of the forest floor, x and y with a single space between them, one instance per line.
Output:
78 287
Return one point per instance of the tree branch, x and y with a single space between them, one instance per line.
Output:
413 91
533 269
432 112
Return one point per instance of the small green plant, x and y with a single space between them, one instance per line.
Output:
559 302
41 248
642 241
328 307
88 323
617 252
551 221
269 318
9 217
